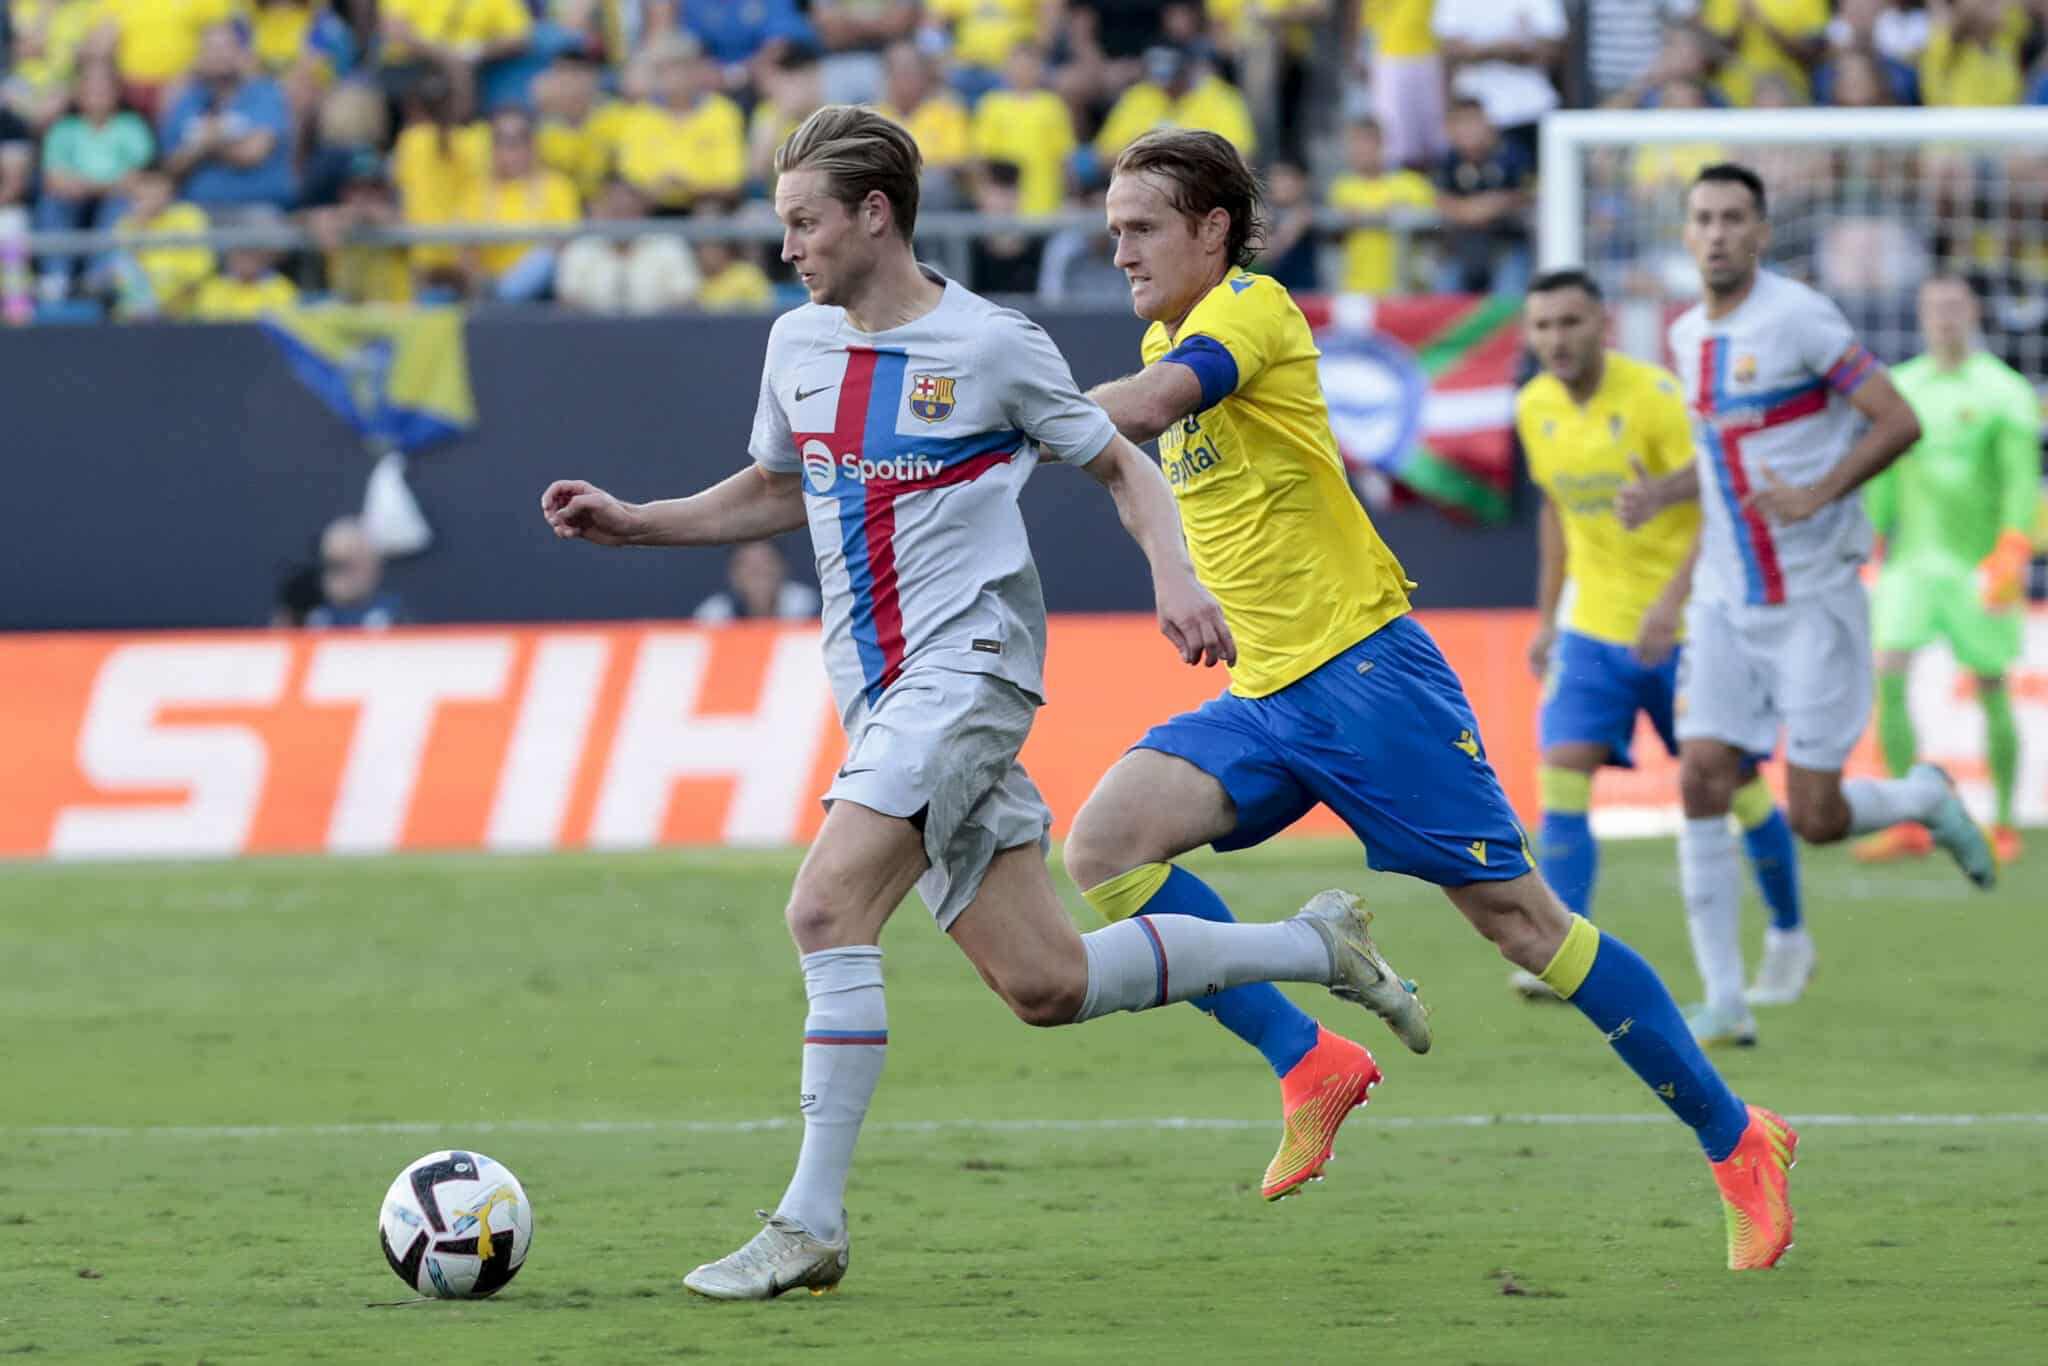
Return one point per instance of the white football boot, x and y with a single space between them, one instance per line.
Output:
1786 968
1711 1027
1955 832
1363 976
783 1256
1531 987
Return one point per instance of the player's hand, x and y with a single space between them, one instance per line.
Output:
1657 637
1539 650
1782 502
1190 617
1636 502
2002 577
576 510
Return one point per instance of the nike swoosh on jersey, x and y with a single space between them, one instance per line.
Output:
802 393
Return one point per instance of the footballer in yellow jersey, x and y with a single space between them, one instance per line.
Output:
1610 597
1338 697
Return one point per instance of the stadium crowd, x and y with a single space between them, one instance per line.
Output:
141 116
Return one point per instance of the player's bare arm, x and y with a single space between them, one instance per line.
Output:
1147 403
1643 497
1188 615
1893 430
1551 565
752 504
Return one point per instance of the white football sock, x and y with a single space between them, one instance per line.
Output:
846 1037
1880 803
1711 877
1154 960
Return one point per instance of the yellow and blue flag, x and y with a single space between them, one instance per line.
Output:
398 376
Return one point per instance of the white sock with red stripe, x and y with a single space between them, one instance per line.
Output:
846 1036
1155 960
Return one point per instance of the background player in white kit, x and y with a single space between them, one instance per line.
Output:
900 415
1778 624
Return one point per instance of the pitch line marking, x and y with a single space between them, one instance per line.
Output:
921 1126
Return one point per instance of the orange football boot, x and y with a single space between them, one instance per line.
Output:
1902 841
1753 1179
1318 1094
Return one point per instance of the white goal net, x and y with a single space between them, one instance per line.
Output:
1864 203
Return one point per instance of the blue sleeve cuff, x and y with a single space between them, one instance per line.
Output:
1213 365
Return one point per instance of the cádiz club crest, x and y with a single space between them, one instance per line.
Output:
931 397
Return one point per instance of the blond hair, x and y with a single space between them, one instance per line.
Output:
859 152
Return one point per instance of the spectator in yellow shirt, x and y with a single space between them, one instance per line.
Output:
434 163
1768 37
733 281
47 36
154 42
1373 262
247 288
157 282
363 274
936 118
795 89
518 191
1178 91
1030 127
985 33
1972 56
457 36
578 133
687 140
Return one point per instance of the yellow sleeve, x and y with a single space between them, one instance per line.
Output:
1414 190
1242 315
1229 117
1528 426
280 293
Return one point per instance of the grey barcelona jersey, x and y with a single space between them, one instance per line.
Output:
914 445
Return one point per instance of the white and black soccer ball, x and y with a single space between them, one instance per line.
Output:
455 1225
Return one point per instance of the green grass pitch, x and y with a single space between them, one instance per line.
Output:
208 1074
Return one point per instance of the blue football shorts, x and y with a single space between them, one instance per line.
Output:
1383 736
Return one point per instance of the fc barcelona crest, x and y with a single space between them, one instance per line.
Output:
931 397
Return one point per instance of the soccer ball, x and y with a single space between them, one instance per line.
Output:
455 1225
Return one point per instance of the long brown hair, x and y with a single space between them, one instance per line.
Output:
1206 173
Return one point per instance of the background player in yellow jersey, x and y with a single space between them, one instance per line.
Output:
1337 696
1611 601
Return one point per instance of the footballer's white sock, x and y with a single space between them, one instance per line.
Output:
1880 803
846 1036
1711 876
1154 960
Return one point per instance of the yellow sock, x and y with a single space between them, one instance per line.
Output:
1562 789
1573 959
1124 895
1753 803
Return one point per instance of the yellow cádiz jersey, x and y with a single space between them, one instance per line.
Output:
1580 457
1272 524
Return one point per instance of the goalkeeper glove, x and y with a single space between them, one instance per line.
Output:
2003 572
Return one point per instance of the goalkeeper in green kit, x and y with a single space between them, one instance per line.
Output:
1954 512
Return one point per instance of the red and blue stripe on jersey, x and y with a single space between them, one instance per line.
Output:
870 400
1726 420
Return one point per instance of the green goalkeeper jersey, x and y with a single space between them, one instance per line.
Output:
1976 470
